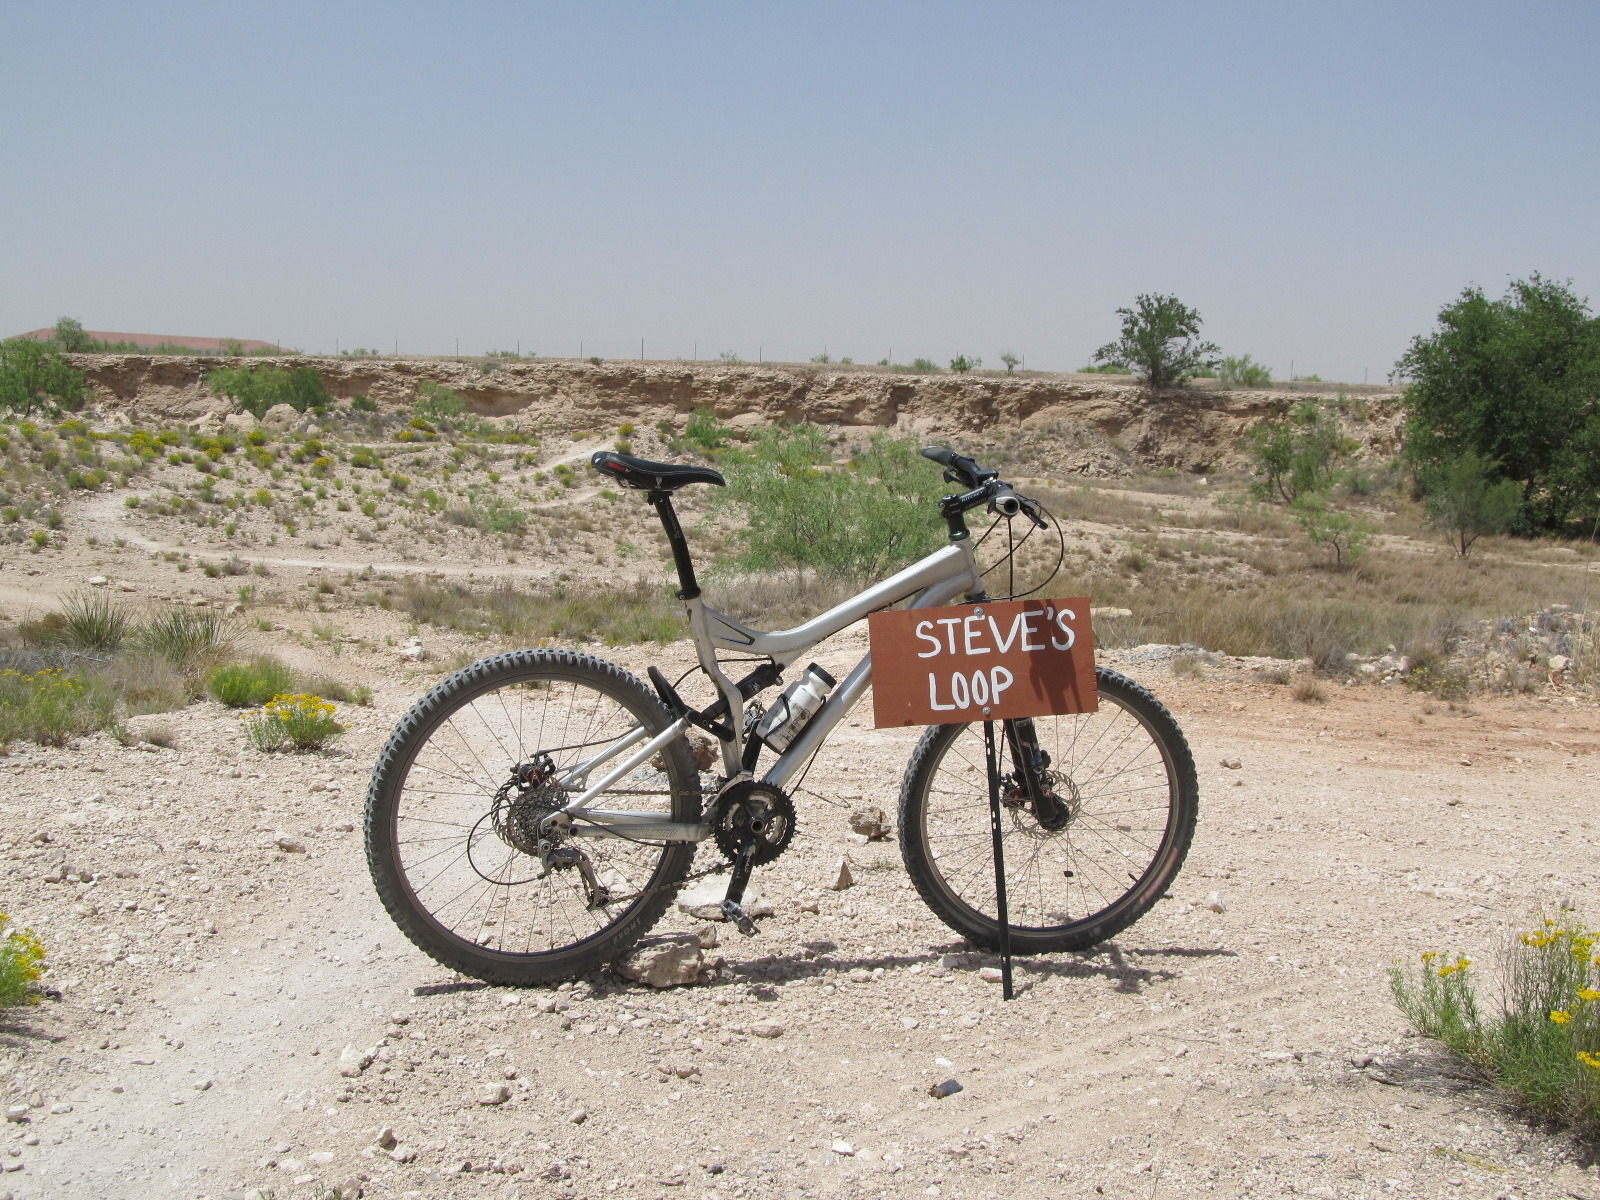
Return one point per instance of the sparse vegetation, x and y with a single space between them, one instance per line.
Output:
1243 371
257 389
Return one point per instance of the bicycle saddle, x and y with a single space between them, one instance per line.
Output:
647 476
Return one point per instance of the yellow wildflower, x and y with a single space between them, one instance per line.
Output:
1589 1060
1561 1016
1588 994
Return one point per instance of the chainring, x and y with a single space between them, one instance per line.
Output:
752 808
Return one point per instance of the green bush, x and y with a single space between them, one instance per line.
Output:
1465 502
1514 381
436 403
803 513
961 364
1542 1045
36 377
22 965
1339 530
1296 454
704 432
1243 371
256 389
248 685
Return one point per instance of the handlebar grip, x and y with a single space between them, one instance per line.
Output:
964 469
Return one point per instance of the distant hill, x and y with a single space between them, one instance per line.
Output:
149 341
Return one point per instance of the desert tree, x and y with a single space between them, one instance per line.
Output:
1465 501
1160 341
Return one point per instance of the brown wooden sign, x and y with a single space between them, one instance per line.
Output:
978 662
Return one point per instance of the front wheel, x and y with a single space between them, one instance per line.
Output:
1125 782
458 837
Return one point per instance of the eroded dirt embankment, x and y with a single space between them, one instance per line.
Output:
1114 425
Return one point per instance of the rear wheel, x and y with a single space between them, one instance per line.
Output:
1124 777
455 836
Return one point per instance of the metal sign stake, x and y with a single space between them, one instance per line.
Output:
993 759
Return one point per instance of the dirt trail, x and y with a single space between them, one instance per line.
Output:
1205 1053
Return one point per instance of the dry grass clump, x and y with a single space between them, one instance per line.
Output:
624 614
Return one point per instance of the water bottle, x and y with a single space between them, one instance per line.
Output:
791 711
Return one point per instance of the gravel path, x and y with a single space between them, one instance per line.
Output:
210 979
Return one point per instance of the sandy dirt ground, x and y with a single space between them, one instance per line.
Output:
209 979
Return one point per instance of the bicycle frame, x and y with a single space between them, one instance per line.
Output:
940 578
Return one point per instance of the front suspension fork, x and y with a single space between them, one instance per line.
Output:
1029 764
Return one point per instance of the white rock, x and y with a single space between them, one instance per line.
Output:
1559 662
672 960
766 1029
871 822
990 974
842 877
840 1146
703 901
579 1117
352 1061
97 581
492 1094
404 1153
17 1113
1215 903
385 1139
320 1158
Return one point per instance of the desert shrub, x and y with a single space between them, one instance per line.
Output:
1541 1042
36 377
1243 371
961 364
802 513
299 722
437 403
704 432
51 706
188 638
22 965
145 682
250 684
1297 453
256 389
1339 530
1465 502
926 366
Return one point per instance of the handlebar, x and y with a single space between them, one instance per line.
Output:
984 487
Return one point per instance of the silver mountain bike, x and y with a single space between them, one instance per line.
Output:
534 814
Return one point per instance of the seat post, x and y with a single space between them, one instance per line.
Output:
661 501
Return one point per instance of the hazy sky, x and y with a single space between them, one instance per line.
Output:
921 178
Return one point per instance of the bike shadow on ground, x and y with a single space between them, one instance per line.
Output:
819 959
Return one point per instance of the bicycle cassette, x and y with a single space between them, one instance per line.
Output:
759 810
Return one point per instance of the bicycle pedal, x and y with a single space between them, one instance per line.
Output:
741 919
